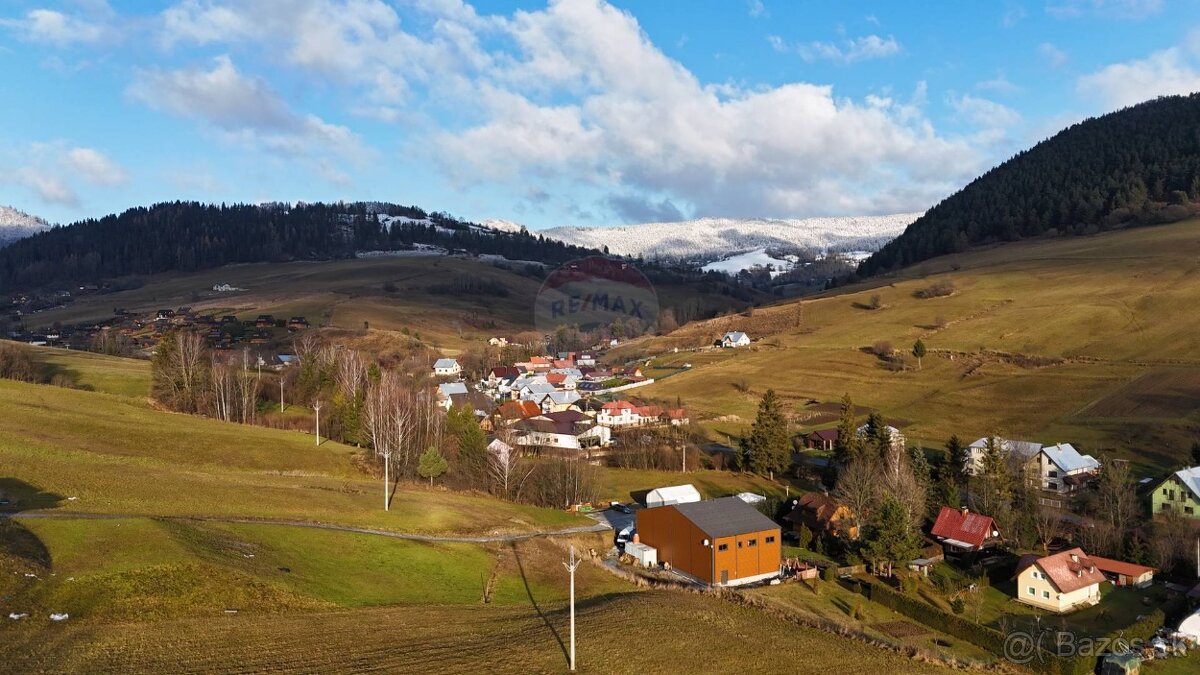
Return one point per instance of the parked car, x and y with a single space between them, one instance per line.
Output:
618 506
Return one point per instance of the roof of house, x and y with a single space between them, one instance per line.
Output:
675 493
814 507
963 526
475 400
506 371
1119 566
563 397
825 434
567 416
445 363
677 413
725 517
1191 478
615 406
1025 448
1068 459
450 388
1067 574
515 410
735 335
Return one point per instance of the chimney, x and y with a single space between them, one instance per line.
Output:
1075 557
965 510
637 539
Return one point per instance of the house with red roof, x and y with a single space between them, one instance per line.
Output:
961 531
1123 573
1059 583
618 414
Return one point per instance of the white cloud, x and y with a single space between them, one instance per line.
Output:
1170 71
757 9
999 84
1055 57
51 171
994 121
1013 15
857 49
571 99
1111 9
243 109
51 27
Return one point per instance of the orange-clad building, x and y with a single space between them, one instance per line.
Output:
721 542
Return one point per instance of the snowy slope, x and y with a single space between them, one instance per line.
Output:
16 225
716 238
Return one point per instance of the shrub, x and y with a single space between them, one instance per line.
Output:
938 289
829 573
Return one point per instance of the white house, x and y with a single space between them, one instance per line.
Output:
446 368
498 342
447 389
1059 583
735 339
976 451
1060 468
562 434
895 435
618 414
675 494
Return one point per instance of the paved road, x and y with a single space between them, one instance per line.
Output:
478 539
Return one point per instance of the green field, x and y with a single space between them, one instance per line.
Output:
1038 339
96 372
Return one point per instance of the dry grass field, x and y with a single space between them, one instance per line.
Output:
1039 340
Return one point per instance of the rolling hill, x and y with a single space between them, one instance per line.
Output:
1137 166
1081 340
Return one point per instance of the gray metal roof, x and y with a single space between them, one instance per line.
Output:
1067 458
1191 478
725 517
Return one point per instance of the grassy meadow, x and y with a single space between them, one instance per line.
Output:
1082 340
95 372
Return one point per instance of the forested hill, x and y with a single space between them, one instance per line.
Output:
188 236
1137 166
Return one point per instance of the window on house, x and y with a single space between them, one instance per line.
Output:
722 547
1046 594
1053 474
1171 495
1188 510
752 543
771 540
739 544
1032 590
1164 507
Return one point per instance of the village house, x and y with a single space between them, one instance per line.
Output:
264 321
735 339
567 430
822 439
1178 493
1059 583
480 403
514 411
1061 469
894 435
557 401
618 414
822 514
960 531
501 374
446 368
976 451
720 542
448 389
498 342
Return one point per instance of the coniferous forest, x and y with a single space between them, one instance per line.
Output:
1137 166
189 236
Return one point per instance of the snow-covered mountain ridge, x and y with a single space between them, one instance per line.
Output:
16 225
716 238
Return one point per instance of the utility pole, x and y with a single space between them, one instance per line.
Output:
571 568
281 391
317 408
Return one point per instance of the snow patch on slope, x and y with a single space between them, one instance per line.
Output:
715 238
751 259
16 225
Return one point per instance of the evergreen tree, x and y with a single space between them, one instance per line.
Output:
918 351
472 445
958 458
768 449
432 464
889 537
847 445
1195 453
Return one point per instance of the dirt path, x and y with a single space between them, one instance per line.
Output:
478 539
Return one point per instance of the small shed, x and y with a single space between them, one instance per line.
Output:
1124 573
646 556
675 494
751 498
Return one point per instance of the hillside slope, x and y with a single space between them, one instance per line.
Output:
1083 340
15 224
1137 166
712 238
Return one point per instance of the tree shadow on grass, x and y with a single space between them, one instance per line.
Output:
16 540
536 608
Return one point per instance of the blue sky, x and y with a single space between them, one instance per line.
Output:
567 112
